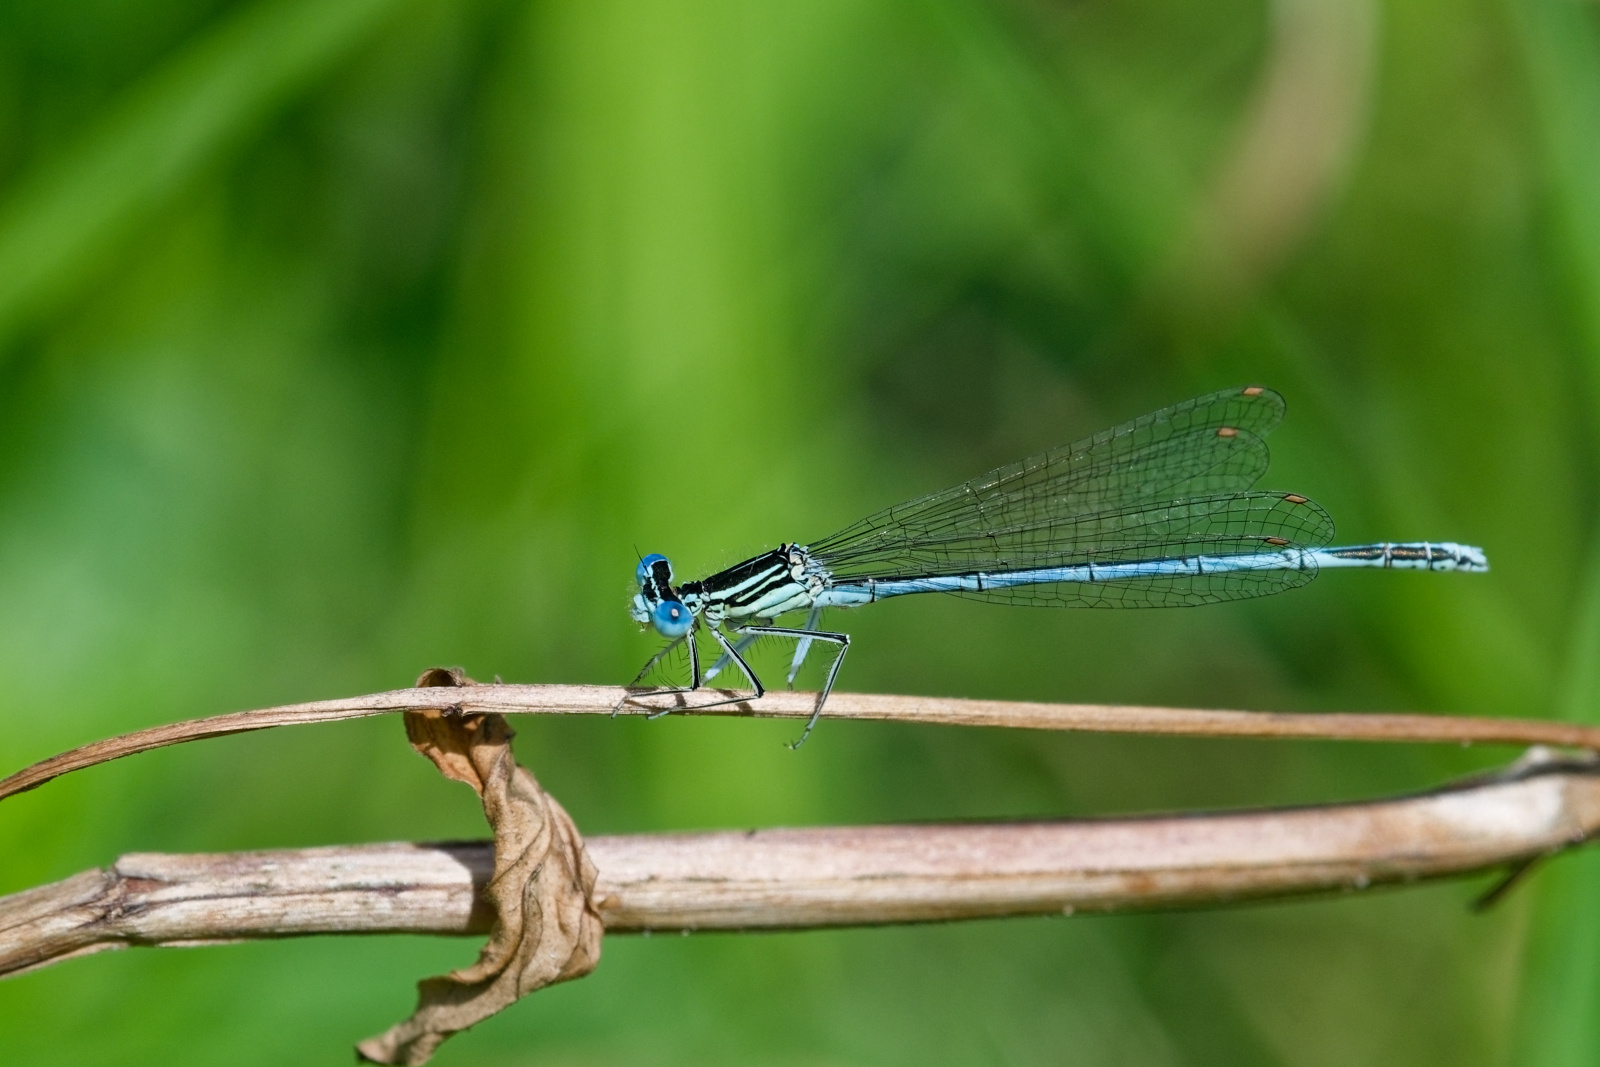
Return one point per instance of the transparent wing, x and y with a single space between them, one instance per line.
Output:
1202 447
1242 524
1169 484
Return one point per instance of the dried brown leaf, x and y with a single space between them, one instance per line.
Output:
546 928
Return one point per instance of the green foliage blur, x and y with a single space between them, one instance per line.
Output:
341 338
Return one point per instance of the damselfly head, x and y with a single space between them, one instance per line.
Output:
656 603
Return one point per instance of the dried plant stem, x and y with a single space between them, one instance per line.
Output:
600 700
824 876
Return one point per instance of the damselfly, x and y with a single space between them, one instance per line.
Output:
1155 512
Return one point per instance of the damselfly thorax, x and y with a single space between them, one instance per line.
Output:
784 580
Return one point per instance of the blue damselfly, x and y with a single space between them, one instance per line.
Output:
1156 512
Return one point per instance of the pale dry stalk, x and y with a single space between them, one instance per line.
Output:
836 876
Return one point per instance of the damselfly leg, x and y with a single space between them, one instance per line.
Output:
725 659
807 636
732 653
695 680
803 646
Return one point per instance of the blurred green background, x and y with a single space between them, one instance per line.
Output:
340 338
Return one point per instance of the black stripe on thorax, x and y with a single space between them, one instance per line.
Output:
747 582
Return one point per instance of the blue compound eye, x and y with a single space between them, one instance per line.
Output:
671 619
643 573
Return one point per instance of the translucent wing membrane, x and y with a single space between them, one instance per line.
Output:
1202 447
1171 484
1243 524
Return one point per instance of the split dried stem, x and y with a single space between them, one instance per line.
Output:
944 711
